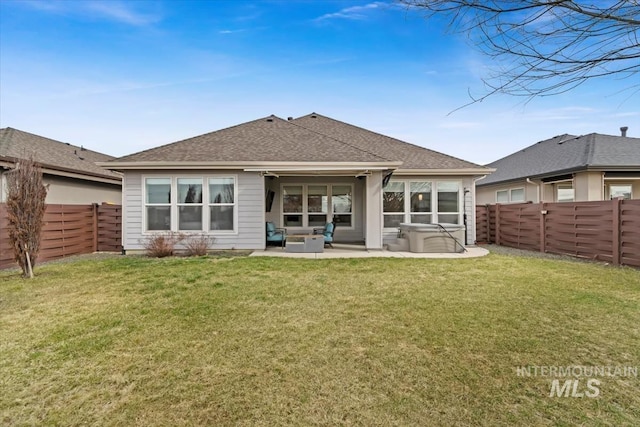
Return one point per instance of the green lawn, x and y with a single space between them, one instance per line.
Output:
265 341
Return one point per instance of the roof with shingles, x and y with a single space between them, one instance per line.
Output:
564 154
310 138
266 139
411 156
16 144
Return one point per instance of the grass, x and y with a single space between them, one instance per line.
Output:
262 341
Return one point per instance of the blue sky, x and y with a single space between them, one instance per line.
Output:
119 77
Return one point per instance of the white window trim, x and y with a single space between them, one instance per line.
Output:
434 201
305 208
563 183
205 205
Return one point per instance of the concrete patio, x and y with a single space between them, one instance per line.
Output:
359 251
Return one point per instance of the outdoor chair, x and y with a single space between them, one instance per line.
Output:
276 235
327 232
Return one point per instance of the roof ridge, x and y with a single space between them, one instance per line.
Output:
336 139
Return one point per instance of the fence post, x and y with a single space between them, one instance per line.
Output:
95 227
487 209
497 223
615 246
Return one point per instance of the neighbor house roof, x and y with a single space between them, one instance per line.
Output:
54 156
312 139
565 154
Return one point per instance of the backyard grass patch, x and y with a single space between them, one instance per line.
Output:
272 341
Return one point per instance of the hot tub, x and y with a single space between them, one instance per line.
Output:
433 237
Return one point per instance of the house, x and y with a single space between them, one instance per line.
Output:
566 168
299 173
69 170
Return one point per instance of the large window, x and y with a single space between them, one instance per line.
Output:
221 203
292 205
189 204
317 205
158 203
187 210
313 205
393 206
342 200
448 202
421 202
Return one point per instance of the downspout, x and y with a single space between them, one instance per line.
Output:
539 190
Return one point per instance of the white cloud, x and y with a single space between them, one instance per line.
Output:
353 12
113 10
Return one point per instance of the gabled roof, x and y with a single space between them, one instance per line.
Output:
269 139
566 154
311 139
411 156
54 156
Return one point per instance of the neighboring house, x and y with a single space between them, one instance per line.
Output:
299 173
70 171
566 168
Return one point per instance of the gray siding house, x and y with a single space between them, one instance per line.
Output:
70 170
298 173
566 168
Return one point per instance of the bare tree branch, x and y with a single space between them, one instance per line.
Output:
546 47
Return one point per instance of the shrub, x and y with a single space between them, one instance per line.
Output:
26 195
162 245
197 245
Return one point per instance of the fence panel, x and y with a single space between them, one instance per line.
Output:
70 230
607 230
482 224
109 228
630 233
519 226
580 229
6 253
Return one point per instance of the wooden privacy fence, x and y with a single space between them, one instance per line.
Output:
70 230
607 230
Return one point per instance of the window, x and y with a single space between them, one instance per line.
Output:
341 200
194 206
517 195
292 205
620 190
189 204
317 205
221 203
313 205
421 202
393 204
448 202
158 203
514 195
565 193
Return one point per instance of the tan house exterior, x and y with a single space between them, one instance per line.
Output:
298 173
566 168
70 171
